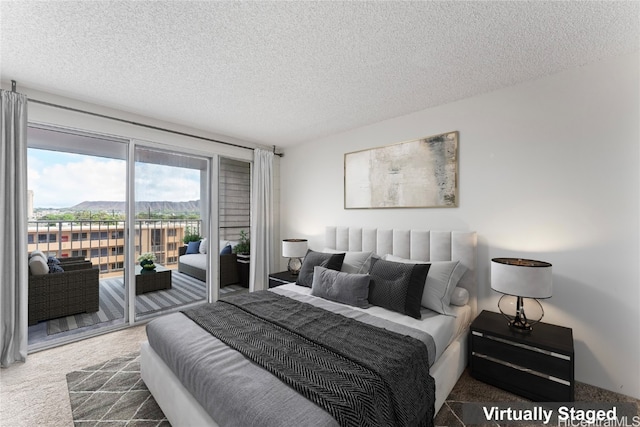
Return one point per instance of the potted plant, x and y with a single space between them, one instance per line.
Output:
147 261
243 247
191 235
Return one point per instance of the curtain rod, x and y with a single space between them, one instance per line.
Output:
104 116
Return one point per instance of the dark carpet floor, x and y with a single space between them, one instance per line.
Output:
113 394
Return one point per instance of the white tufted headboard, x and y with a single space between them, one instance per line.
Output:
419 245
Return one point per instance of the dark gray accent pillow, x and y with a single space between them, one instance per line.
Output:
398 287
346 288
313 259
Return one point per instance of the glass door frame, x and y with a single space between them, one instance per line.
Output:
126 321
209 222
71 124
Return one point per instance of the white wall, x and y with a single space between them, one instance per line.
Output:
548 170
43 114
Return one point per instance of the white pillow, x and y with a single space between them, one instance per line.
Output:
203 246
460 296
38 254
442 279
354 262
38 266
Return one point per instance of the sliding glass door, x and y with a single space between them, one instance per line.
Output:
77 224
126 232
171 228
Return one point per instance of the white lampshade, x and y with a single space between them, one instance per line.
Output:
294 248
521 277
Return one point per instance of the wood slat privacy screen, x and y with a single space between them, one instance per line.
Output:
234 198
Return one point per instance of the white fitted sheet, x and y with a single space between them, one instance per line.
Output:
443 329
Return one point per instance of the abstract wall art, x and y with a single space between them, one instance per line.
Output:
422 173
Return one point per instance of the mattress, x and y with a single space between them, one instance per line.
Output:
443 329
220 377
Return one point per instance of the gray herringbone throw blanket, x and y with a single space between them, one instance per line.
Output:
362 375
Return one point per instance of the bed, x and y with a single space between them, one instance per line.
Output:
181 360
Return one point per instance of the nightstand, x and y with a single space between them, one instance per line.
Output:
282 278
538 365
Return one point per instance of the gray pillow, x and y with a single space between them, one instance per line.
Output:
398 287
442 280
354 262
313 259
346 288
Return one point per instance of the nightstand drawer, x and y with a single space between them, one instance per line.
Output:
527 384
527 357
276 282
537 364
281 278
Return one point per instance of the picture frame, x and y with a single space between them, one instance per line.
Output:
421 173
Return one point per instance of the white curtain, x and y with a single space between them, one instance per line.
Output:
13 214
262 221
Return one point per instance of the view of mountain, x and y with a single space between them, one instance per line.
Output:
159 206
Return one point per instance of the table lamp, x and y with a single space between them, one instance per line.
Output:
521 278
294 249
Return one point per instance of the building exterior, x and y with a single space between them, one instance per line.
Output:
104 242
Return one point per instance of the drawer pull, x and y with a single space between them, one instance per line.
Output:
525 346
520 368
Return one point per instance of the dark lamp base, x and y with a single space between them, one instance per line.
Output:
520 325
518 320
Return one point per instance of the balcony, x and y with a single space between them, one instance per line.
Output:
104 242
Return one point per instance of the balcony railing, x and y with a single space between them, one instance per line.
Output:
104 242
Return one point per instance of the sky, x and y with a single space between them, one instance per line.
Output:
60 180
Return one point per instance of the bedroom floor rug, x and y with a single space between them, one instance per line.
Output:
184 290
113 394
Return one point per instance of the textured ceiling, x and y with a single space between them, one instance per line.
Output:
281 73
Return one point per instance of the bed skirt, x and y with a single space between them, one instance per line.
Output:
182 409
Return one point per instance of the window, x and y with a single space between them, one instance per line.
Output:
117 234
172 232
77 237
116 266
79 253
99 235
117 250
47 238
30 239
94 253
171 246
156 237
104 252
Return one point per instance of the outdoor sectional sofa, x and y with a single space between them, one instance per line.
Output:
75 290
195 265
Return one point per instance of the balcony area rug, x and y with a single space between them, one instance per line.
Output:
113 394
184 290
